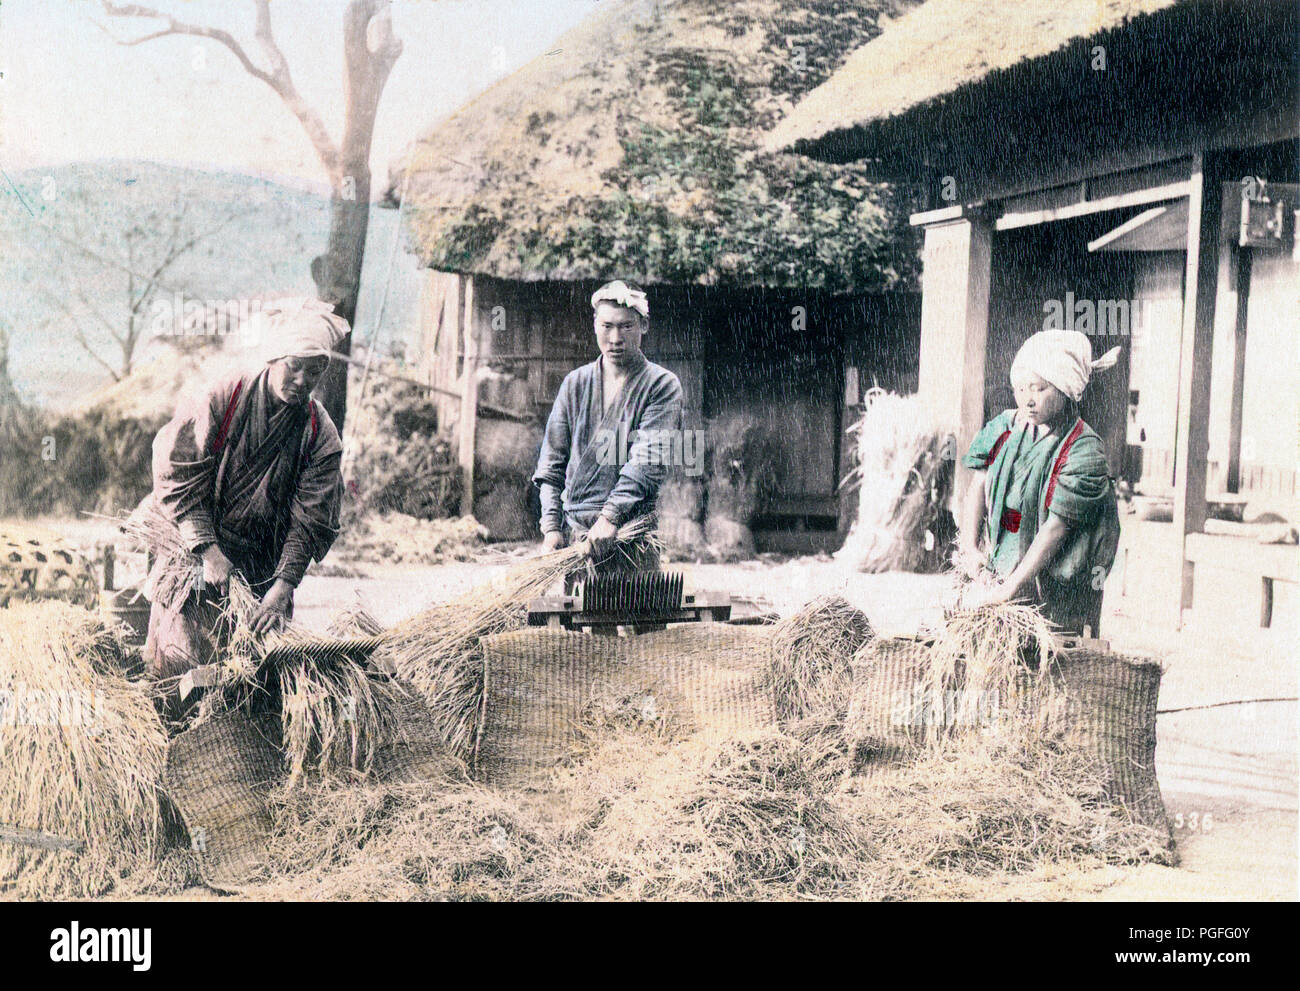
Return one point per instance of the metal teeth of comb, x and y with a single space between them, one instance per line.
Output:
641 594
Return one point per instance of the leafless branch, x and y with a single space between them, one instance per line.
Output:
277 77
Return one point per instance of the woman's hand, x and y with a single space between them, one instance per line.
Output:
553 540
274 607
216 568
967 559
991 596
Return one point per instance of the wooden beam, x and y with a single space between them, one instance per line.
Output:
1200 289
1243 258
954 328
942 215
509 414
468 426
1153 194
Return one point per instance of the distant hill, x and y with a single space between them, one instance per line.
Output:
266 249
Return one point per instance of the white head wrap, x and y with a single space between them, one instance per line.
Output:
621 293
1061 357
300 327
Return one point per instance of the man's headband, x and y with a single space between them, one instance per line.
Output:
621 294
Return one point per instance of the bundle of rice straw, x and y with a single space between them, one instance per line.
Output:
437 651
81 749
335 710
812 659
992 650
177 571
899 461
986 658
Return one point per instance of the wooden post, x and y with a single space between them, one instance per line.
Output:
468 398
1200 288
955 326
1243 259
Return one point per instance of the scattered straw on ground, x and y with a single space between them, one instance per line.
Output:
395 538
644 817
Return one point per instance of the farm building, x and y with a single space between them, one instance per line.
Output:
779 287
1085 154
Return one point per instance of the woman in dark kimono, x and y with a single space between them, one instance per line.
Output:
249 473
1042 502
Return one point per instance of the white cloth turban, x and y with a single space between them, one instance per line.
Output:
300 328
621 293
1061 357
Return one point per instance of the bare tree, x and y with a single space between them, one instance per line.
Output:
142 253
369 52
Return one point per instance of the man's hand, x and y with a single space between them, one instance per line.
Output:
216 568
274 608
552 540
601 536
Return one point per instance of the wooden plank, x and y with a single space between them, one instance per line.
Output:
1243 258
1155 194
1192 430
468 426
955 327
942 215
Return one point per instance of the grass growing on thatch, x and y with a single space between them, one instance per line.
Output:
82 751
812 659
437 651
899 463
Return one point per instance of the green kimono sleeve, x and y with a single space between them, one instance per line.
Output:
983 449
1079 492
1083 496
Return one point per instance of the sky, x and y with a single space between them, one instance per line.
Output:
69 92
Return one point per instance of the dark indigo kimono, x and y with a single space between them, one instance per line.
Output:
581 470
259 478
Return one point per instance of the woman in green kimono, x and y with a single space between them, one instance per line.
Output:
1042 503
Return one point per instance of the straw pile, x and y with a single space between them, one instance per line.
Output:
812 655
437 651
988 653
81 749
643 816
899 471
643 811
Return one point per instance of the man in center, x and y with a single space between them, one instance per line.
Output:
602 461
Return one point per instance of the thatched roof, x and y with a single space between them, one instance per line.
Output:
633 149
938 47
